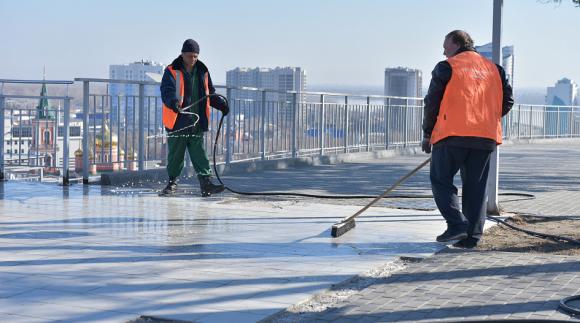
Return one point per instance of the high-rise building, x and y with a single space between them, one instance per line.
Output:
558 113
507 58
403 81
563 93
280 79
125 96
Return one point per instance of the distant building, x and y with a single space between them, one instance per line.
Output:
124 97
507 58
564 92
559 116
403 81
279 79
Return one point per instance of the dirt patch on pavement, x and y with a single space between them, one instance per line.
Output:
501 238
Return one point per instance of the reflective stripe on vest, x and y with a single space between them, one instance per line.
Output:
472 102
169 117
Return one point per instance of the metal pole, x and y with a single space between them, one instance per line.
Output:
65 143
544 123
558 122
295 106
2 177
493 177
531 109
346 121
141 156
368 124
55 139
263 126
86 132
405 123
519 120
387 122
321 125
570 116
229 137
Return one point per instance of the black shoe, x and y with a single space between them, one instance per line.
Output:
449 235
467 243
170 189
208 188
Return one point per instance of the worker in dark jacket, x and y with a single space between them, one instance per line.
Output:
185 82
468 95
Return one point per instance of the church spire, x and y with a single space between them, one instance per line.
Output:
42 108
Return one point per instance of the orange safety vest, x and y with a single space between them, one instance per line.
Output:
472 102
169 116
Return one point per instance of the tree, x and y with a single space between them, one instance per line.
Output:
576 2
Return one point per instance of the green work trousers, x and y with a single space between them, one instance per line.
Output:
194 145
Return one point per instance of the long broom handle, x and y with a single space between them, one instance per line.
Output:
378 198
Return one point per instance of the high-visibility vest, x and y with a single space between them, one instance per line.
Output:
169 116
472 102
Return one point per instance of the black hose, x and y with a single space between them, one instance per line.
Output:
492 218
567 307
218 132
546 236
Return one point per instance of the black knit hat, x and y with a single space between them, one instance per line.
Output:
190 45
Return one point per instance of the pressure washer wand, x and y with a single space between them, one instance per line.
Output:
348 223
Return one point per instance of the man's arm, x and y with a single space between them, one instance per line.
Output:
216 101
439 78
508 93
168 91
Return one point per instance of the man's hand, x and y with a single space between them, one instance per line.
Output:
220 103
426 144
225 110
175 106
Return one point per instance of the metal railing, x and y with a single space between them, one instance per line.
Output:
42 127
542 121
124 131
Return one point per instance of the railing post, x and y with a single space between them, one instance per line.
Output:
558 123
55 139
571 116
321 131
405 123
368 124
86 132
263 126
295 106
65 142
545 119
519 119
229 126
141 127
346 122
2 175
531 120
387 122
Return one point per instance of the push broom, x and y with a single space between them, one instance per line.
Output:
348 223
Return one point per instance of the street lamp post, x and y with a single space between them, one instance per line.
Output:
493 177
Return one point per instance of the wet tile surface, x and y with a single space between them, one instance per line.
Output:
89 253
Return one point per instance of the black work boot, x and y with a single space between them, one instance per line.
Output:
451 234
171 188
208 188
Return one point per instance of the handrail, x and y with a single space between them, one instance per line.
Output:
11 81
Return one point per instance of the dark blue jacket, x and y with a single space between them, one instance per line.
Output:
169 99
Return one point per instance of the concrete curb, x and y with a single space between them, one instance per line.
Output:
160 174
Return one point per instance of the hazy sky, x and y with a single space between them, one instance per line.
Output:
337 42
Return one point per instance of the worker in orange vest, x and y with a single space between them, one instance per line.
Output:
468 95
185 82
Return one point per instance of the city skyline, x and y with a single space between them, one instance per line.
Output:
323 38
